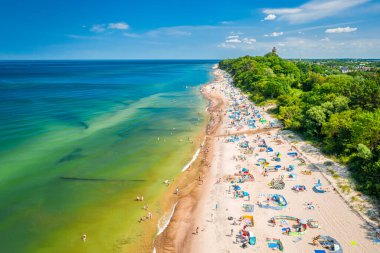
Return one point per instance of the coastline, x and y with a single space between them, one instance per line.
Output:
179 226
201 200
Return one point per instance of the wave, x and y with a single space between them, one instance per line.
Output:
165 221
194 157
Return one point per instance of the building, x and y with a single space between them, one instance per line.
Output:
344 70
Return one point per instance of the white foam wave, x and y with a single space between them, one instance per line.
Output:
164 221
194 158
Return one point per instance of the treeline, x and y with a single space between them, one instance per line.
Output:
340 111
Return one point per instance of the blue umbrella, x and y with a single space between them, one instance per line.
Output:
237 188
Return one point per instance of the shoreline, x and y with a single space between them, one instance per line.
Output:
168 241
194 209
164 206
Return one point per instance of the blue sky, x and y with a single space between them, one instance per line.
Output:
173 29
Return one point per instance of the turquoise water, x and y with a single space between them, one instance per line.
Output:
80 139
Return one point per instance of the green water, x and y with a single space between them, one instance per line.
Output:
61 180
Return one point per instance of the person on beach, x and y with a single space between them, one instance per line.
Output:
196 230
200 179
315 240
177 191
232 232
150 215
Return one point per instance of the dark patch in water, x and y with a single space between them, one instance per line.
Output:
163 108
170 96
124 134
76 154
101 179
84 124
71 118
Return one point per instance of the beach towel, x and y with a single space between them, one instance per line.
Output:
319 251
274 245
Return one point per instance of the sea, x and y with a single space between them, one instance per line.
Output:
79 140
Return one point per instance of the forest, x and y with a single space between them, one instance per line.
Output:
338 112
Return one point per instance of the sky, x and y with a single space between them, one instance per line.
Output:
195 29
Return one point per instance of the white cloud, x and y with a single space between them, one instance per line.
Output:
249 40
227 45
131 35
270 17
233 41
326 39
178 33
98 28
174 31
118 26
314 10
282 11
179 30
233 37
226 22
83 37
299 47
341 30
274 34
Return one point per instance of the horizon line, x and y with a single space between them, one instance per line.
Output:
184 59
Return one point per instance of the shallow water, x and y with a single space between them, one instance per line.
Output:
80 139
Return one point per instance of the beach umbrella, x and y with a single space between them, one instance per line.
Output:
245 194
237 188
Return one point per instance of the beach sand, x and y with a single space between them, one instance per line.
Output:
207 205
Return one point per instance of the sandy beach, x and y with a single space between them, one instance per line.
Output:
230 182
